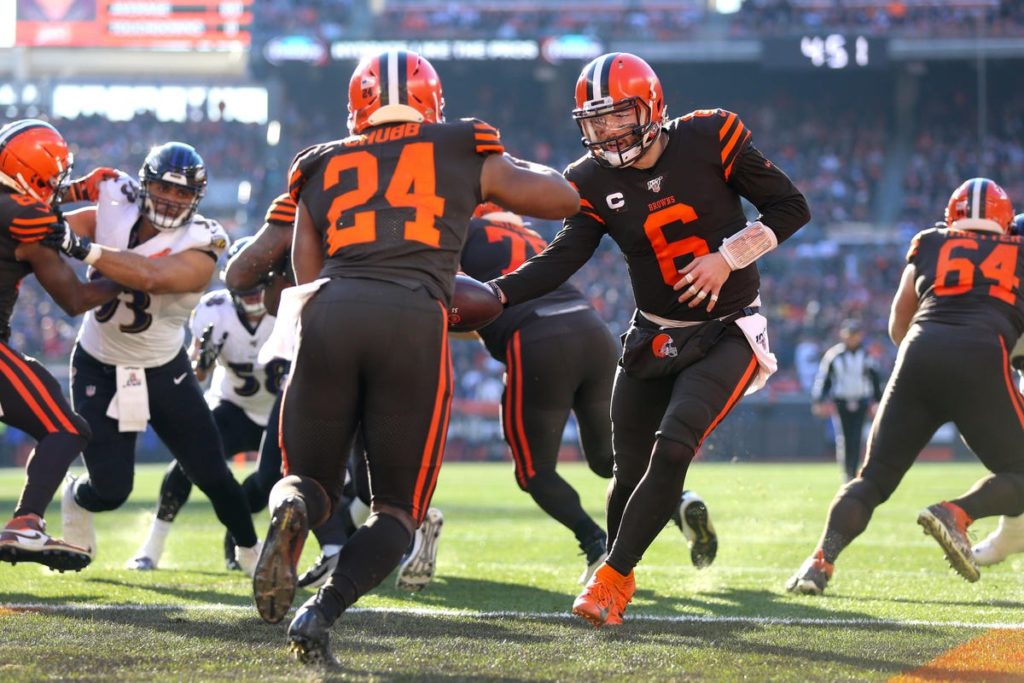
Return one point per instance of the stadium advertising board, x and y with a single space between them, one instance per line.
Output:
169 24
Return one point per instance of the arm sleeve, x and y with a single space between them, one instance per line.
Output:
782 206
572 247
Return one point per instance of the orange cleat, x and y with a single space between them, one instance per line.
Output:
604 600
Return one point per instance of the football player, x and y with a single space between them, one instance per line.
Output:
959 307
34 167
267 259
550 371
129 365
228 329
382 217
668 193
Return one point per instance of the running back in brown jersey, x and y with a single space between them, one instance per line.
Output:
393 204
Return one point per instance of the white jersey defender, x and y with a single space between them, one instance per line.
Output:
139 329
239 378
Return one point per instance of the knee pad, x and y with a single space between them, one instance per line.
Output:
670 453
601 464
109 498
685 423
83 429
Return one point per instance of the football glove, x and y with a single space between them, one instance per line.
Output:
209 350
63 239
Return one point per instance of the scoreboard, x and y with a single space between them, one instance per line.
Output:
168 24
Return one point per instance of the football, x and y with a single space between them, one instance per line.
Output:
473 305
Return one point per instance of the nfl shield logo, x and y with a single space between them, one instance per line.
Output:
90 390
654 184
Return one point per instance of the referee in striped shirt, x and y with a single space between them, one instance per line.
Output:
848 378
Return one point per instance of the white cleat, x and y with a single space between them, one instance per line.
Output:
1007 539
140 563
248 557
77 521
417 566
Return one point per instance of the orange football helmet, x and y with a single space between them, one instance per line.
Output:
492 212
34 159
619 108
979 204
396 85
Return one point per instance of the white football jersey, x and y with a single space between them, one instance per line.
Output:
136 328
239 377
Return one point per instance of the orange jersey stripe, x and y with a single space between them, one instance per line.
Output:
732 142
64 420
725 127
23 392
45 220
480 149
591 214
744 382
508 416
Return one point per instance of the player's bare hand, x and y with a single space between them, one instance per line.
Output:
702 281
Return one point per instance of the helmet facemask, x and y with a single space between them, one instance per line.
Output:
166 213
250 302
617 133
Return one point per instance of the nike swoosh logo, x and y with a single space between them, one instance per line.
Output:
179 380
26 535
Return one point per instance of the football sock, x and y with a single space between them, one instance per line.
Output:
677 518
650 507
47 465
560 501
996 494
153 548
848 516
174 492
333 532
586 530
364 561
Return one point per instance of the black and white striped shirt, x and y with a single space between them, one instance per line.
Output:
847 374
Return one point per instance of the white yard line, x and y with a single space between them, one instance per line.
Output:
552 616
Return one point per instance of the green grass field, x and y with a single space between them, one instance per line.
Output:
498 608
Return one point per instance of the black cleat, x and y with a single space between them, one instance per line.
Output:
309 636
273 582
697 528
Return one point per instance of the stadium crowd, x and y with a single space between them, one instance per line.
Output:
659 21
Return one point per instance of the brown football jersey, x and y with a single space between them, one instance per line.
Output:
22 219
969 278
664 216
393 203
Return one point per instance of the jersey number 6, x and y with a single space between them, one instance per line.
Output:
667 252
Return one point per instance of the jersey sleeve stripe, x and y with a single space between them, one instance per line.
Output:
724 130
486 149
590 214
492 137
736 153
281 217
45 220
29 231
584 202
740 130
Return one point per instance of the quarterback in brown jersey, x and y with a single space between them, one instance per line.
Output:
382 217
668 193
34 165
957 313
